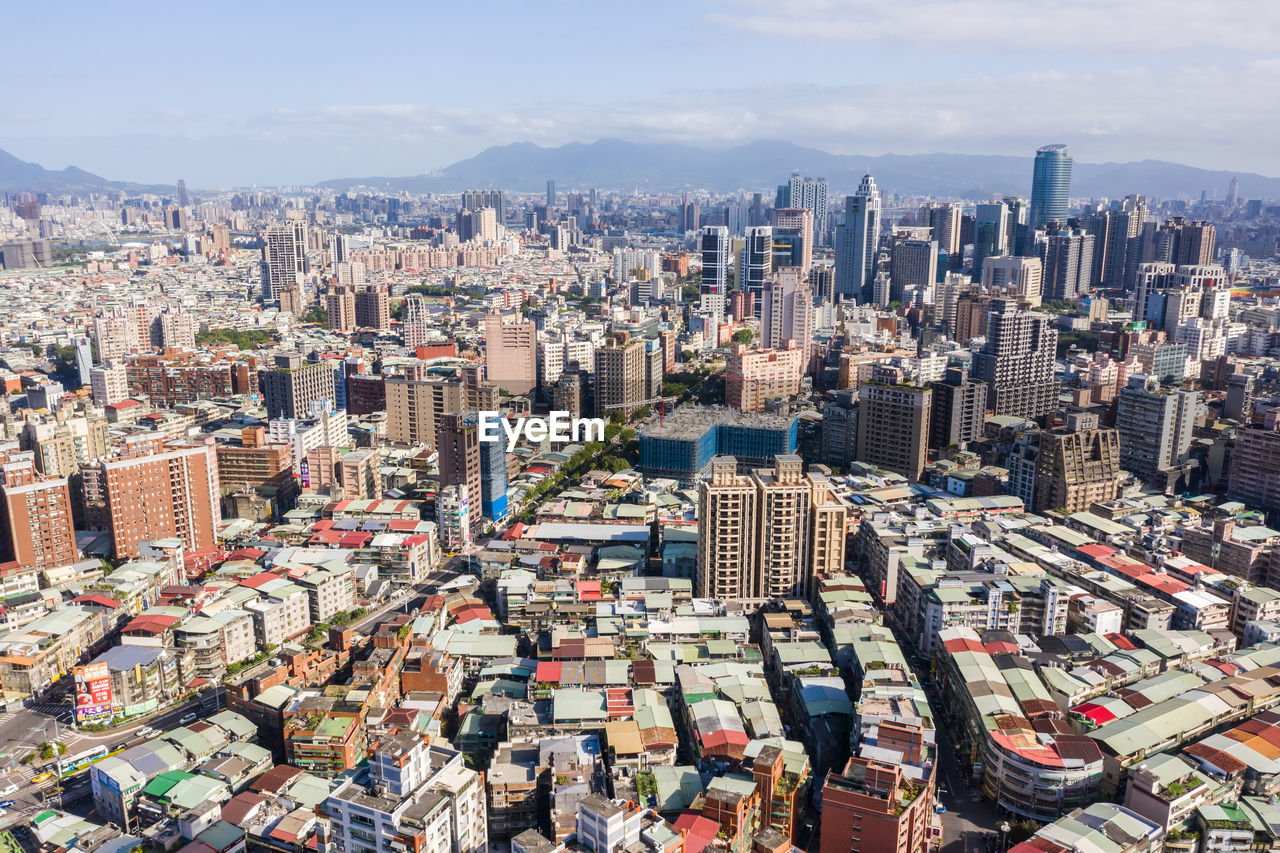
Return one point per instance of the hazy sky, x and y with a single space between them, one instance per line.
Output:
280 92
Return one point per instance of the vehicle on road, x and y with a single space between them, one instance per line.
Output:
43 777
70 764
187 718
145 731
9 789
6 804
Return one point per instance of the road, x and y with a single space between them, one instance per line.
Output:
416 595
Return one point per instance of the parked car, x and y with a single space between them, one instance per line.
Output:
187 718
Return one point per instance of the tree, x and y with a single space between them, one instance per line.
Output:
687 355
1077 338
245 339
744 336
317 314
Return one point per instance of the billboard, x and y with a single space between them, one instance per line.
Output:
93 691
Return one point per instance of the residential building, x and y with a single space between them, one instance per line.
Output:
1017 361
957 411
786 317
620 376
755 376
1155 426
894 420
1076 466
293 385
511 353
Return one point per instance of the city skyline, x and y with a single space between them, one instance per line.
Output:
990 80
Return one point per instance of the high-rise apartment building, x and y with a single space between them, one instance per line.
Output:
727 515
767 534
1017 361
416 407
1156 426
1020 277
551 194
621 371
785 499
511 353
108 385
339 248
289 389
1050 185
858 242
894 419
340 305
996 214
36 529
1255 466
1068 264
1076 466
754 376
478 199
787 311
756 263
284 258
153 490
373 308
957 411
458 440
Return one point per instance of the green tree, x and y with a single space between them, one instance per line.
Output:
1075 337
744 336
317 314
245 339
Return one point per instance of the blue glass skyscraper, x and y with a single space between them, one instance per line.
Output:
493 479
1050 185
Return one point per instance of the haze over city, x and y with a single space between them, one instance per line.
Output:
260 94
814 427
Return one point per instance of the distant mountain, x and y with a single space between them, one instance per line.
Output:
20 176
761 166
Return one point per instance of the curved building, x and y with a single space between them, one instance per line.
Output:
1050 185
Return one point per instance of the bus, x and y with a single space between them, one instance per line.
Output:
72 763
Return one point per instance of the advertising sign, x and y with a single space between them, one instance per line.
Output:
93 691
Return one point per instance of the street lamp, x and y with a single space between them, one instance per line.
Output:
1004 835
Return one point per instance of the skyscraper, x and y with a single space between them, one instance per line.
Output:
493 479
339 248
1050 185
811 194
794 225
183 200
478 199
1068 264
1017 361
756 263
727 510
787 311
35 518
857 242
714 245
284 258
913 264
551 193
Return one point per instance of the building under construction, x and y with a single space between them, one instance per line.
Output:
682 447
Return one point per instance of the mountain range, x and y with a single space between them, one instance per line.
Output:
757 167
761 166
20 176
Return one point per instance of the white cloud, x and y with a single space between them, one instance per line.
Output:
1126 27
1213 116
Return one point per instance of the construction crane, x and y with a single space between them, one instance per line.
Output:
661 401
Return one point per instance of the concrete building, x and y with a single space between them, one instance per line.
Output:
754 376
155 491
894 420
958 410
621 371
1020 278
511 353
340 305
284 258
1017 361
1155 426
373 309
290 388
786 319
459 444
1076 466
873 806
1255 467
415 407
858 242
35 518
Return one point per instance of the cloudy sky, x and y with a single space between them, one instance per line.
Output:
284 92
